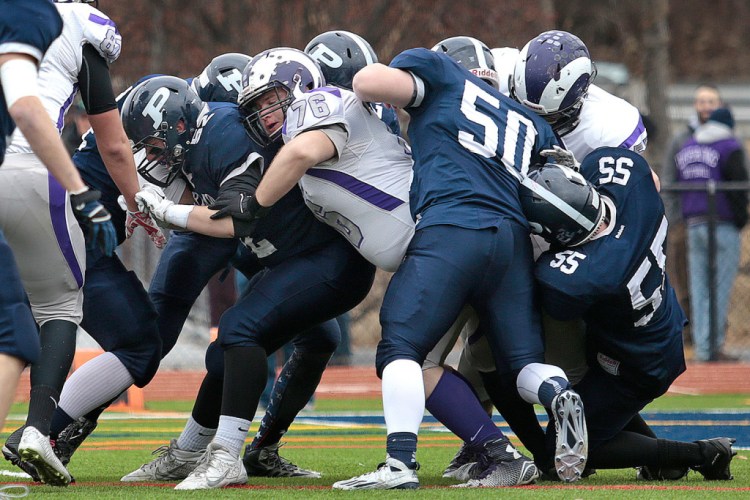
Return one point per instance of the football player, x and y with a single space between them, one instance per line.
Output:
28 29
355 176
633 320
298 253
39 223
472 239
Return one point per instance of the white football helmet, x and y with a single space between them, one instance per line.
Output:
505 62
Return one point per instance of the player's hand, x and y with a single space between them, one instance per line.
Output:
561 157
95 221
152 201
144 220
242 207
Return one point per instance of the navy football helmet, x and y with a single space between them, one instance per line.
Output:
561 206
221 80
472 55
552 77
285 71
340 55
160 116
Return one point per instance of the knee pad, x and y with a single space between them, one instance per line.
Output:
215 360
531 377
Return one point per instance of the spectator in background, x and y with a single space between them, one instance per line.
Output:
712 153
706 100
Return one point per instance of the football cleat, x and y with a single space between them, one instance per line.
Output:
571 446
218 468
36 449
464 460
391 475
500 464
266 462
72 437
171 464
718 453
10 452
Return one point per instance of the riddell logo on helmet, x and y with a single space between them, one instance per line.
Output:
484 73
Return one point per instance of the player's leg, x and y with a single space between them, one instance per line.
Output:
423 299
41 228
506 303
292 390
119 316
612 403
288 298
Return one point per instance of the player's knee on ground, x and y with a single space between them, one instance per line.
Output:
215 360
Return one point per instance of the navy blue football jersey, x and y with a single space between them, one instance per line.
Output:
219 149
27 27
617 282
471 146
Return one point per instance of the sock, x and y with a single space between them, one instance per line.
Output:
207 406
403 446
60 420
403 396
194 436
94 384
244 379
293 389
94 414
231 433
550 388
519 414
456 406
58 345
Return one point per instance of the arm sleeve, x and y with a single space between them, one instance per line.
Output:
95 83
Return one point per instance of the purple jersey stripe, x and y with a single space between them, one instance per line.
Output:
60 225
369 193
633 138
64 108
102 20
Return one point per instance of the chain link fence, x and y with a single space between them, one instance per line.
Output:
737 330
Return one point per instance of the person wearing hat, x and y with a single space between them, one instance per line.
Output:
712 153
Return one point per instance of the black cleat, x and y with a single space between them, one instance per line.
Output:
718 454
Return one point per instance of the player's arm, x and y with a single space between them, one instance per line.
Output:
291 162
381 83
18 74
99 101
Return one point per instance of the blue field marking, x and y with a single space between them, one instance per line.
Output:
678 425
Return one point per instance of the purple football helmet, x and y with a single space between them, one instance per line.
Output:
552 76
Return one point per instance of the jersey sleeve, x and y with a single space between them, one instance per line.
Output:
101 32
320 108
29 28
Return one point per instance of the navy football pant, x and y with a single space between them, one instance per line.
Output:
448 266
19 336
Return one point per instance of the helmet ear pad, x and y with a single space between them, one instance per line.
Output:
561 206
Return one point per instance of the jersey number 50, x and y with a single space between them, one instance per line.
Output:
518 130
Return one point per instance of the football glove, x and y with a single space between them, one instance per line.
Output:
144 220
151 200
561 157
95 221
243 207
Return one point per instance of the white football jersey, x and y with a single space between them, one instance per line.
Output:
364 192
606 120
58 72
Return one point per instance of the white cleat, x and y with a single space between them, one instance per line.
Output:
218 468
36 449
391 475
571 447
171 464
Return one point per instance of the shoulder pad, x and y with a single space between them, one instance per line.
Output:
101 32
314 109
